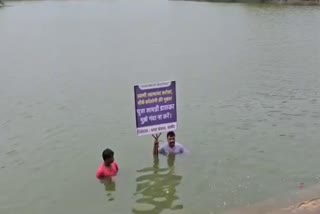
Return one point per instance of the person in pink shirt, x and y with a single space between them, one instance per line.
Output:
109 168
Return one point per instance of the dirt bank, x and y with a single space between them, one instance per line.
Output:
302 201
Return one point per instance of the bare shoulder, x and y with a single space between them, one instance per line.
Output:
162 147
183 148
179 145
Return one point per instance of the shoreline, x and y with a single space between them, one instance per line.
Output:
302 201
279 2
296 2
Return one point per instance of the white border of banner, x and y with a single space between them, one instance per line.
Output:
149 130
155 85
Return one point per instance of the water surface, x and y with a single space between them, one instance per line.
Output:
248 94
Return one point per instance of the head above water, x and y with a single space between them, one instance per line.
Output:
107 156
171 138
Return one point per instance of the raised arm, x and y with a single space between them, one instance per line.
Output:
156 144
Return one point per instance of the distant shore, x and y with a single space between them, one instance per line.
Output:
283 2
296 2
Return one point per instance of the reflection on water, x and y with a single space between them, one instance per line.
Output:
156 188
110 187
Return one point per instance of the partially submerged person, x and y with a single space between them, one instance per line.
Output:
109 168
171 147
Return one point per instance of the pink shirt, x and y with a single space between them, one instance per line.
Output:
104 171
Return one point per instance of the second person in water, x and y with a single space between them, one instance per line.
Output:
171 147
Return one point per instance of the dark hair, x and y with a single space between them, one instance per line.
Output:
107 154
171 134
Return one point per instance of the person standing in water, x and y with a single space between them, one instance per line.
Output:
171 147
108 168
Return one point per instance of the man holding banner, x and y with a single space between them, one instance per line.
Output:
156 112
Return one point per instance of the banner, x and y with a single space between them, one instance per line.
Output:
156 107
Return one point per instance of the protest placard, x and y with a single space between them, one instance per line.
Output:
155 107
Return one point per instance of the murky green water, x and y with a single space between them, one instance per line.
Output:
249 104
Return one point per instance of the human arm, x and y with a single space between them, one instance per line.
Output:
116 166
99 173
156 144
